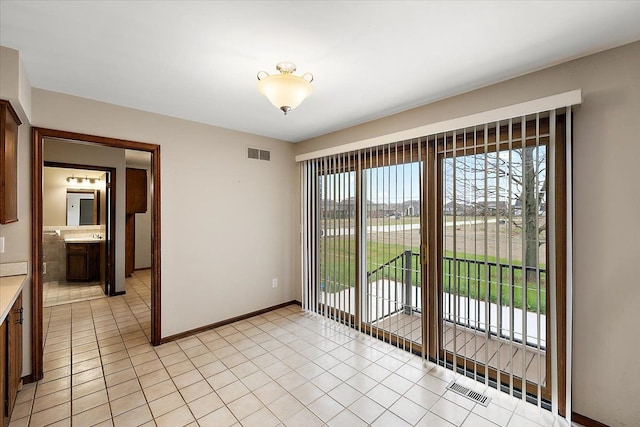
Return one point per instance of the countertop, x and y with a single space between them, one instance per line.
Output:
82 240
10 288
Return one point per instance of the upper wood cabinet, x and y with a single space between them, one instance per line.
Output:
4 420
136 191
9 123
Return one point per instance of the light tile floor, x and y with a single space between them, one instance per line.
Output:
285 367
57 293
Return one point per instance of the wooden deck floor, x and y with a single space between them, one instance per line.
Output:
473 345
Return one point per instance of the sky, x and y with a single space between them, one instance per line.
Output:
398 183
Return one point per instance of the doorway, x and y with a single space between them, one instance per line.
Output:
38 137
78 245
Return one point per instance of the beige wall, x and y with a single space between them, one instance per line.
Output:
226 220
54 196
14 84
606 213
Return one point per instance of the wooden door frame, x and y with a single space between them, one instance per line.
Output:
112 227
37 164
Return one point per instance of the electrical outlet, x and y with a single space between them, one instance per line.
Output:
274 283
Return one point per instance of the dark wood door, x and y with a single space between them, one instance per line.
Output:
104 222
14 349
136 190
130 245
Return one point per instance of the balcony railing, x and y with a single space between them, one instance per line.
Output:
405 269
471 286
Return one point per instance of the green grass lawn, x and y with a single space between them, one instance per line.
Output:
338 272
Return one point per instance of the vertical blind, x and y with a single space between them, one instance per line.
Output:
493 251
362 240
447 246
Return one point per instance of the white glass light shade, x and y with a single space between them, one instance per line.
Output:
83 181
285 91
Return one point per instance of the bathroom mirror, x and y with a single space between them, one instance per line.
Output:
82 207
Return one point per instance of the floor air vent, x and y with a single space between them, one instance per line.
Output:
469 394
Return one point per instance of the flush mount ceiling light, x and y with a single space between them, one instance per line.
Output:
285 90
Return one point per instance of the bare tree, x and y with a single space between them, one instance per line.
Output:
531 183
507 183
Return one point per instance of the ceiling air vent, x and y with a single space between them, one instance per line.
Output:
469 394
257 154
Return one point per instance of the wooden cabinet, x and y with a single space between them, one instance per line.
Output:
136 203
11 350
136 191
130 245
4 420
83 262
9 123
14 353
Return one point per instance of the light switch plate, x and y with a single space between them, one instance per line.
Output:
1 244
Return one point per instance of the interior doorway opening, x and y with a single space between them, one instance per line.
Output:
78 233
154 277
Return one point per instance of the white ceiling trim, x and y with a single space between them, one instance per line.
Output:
565 99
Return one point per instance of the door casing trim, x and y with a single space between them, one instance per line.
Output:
37 163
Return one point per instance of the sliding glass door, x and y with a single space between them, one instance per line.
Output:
493 250
392 239
447 246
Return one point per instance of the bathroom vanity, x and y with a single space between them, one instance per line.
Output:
83 259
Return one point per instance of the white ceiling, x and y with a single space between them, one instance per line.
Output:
198 60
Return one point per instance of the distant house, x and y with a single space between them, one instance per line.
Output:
492 208
379 210
347 209
411 208
458 208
